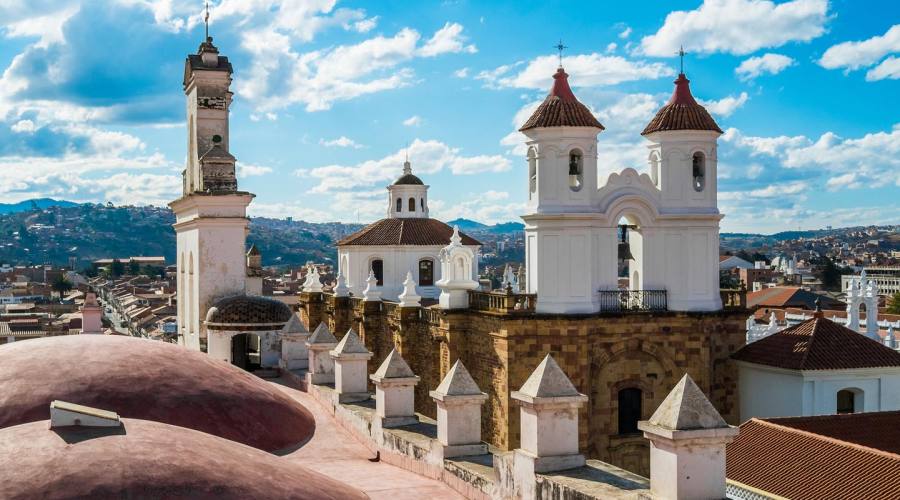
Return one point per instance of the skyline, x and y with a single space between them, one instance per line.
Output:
328 95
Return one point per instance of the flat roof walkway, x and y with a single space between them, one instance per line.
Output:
332 451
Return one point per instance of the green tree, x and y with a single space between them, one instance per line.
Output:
729 280
116 269
61 285
829 273
134 268
893 304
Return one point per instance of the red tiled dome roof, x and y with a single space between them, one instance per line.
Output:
144 459
682 112
409 231
561 108
150 380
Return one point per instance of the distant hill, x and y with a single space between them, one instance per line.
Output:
466 224
471 226
35 204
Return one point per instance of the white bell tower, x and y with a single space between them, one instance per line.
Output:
408 196
211 221
561 240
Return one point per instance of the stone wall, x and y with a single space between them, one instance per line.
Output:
602 354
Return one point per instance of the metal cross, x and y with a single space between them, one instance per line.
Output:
560 47
681 54
206 20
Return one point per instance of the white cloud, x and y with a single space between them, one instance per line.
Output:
611 47
245 170
489 207
766 63
855 55
889 68
427 157
625 32
365 25
23 127
47 28
461 73
448 39
413 121
585 70
738 26
340 142
725 106
845 181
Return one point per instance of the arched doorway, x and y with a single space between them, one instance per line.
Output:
849 401
246 351
630 253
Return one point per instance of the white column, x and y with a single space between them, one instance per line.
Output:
320 366
687 445
394 392
459 402
350 360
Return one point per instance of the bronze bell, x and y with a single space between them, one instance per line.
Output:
624 247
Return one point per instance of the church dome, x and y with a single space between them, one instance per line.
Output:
144 459
682 112
149 380
408 180
247 312
561 108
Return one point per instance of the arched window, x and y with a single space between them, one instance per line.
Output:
399 205
426 272
576 170
846 401
699 171
378 269
629 410
412 204
532 172
422 203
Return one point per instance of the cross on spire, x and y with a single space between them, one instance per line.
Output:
681 54
560 47
206 20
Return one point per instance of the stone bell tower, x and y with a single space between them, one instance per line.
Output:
211 221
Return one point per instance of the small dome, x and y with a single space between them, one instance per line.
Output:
561 108
409 179
682 112
144 459
149 380
246 312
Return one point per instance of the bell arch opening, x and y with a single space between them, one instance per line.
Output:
576 170
246 351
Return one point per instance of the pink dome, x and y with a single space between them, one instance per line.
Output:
144 459
149 380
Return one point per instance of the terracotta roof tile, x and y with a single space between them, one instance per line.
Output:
818 344
682 112
801 465
877 429
561 108
409 231
787 296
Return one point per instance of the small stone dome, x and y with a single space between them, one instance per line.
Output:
144 459
408 180
149 380
245 312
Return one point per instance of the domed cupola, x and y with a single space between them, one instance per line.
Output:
682 112
561 108
251 313
408 196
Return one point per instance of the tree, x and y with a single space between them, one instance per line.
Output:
728 280
116 269
893 305
134 268
61 285
830 274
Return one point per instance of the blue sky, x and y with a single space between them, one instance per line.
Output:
328 94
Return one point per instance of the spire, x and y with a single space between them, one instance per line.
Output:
682 112
206 22
561 87
548 380
682 92
561 108
407 167
560 47
681 54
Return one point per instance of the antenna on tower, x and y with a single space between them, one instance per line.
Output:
206 20
681 54
560 47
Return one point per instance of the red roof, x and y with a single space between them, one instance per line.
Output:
789 296
876 429
818 344
682 112
561 108
409 231
798 464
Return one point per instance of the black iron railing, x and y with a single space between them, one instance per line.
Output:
633 300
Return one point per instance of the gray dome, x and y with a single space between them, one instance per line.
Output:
243 312
409 179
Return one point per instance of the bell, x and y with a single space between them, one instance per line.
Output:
625 251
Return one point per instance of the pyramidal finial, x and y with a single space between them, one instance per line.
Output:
458 382
455 239
409 297
371 292
294 325
548 381
687 408
350 344
393 366
340 288
322 335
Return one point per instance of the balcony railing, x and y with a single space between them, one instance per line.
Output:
502 302
633 300
734 298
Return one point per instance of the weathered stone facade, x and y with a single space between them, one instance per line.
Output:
601 353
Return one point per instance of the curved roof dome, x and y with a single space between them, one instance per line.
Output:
408 179
561 108
243 312
682 112
144 459
150 380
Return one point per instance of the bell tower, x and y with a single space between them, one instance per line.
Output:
211 221
408 196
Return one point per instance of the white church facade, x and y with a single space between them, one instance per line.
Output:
670 214
406 241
